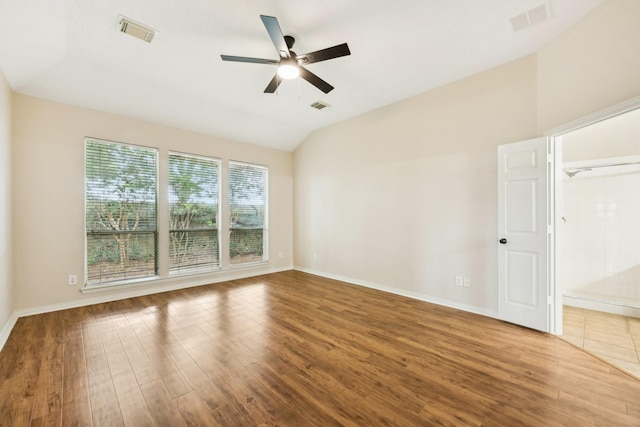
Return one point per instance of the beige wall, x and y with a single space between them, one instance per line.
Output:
594 65
6 295
48 203
618 136
404 198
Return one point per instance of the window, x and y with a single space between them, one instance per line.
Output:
121 205
193 212
120 208
247 213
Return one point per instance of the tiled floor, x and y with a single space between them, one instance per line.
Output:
611 337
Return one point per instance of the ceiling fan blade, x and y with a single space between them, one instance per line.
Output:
273 28
273 84
315 80
246 59
324 54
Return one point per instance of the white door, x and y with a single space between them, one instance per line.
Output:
523 233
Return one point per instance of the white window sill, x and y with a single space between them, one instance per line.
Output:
189 278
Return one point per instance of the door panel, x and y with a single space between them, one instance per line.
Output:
522 278
523 233
521 206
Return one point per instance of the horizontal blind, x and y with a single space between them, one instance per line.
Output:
121 211
194 184
247 213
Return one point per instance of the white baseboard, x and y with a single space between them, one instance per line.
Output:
165 287
597 305
402 292
7 328
132 292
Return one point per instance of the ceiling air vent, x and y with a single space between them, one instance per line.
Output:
529 19
135 29
319 105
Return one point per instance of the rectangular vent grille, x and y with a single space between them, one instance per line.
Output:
529 19
136 29
319 105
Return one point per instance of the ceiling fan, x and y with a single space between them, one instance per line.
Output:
290 64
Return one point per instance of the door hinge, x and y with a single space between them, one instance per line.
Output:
549 229
549 158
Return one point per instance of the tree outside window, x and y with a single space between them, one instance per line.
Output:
247 213
193 212
121 207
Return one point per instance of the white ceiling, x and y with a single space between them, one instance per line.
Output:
72 52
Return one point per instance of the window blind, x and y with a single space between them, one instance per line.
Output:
247 213
193 212
120 211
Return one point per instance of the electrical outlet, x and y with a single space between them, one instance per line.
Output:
280 254
467 282
459 281
73 279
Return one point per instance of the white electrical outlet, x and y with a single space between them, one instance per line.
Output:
459 281
467 282
73 279
280 254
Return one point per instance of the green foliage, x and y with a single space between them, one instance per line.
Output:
102 251
193 205
121 191
247 202
247 184
246 242
193 178
120 187
246 216
120 173
121 209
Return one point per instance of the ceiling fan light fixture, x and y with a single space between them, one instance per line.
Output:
288 69
290 65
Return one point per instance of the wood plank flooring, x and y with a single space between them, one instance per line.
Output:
293 349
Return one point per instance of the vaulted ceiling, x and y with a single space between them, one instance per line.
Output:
72 51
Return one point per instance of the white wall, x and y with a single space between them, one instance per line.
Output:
602 211
602 234
6 294
405 198
48 201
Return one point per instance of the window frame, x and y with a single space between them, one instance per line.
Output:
265 224
218 230
160 271
155 233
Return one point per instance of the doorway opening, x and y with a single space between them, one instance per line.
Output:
598 249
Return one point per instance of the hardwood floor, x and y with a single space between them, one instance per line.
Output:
294 349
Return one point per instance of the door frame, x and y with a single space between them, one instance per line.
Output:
556 201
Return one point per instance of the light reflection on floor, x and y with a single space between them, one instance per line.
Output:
611 337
